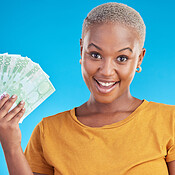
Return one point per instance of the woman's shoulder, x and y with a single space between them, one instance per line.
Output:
58 118
161 106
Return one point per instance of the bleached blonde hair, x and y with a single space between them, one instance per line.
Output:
116 13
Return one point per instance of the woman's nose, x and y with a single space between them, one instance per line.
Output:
107 68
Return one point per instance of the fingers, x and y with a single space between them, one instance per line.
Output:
18 116
3 100
6 105
15 112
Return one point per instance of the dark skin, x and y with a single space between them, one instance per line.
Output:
109 52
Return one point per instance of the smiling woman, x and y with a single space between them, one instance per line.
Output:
113 132
110 54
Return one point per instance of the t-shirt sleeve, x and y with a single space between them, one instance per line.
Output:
171 148
34 152
171 154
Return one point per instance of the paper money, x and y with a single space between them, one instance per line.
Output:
21 76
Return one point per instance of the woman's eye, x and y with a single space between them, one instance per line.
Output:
122 58
95 55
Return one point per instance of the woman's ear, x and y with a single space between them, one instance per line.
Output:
141 56
81 46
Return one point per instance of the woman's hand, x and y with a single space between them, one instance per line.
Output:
10 134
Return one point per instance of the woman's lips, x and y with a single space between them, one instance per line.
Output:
105 89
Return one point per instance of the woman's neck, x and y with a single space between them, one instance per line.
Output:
122 103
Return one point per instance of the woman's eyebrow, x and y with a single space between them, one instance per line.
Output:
125 49
92 44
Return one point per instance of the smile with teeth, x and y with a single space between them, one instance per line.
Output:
106 84
105 87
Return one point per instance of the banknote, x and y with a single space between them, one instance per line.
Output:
25 78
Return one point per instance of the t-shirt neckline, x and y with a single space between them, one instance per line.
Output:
117 124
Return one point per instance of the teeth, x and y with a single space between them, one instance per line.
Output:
106 84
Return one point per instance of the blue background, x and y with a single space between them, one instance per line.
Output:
48 32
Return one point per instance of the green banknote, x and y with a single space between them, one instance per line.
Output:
21 76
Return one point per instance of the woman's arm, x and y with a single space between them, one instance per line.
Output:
16 162
171 167
10 136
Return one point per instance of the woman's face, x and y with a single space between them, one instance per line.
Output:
110 55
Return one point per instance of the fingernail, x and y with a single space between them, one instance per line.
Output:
6 95
14 96
3 96
21 102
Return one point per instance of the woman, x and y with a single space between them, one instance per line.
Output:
113 132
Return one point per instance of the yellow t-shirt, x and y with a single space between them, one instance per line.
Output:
141 144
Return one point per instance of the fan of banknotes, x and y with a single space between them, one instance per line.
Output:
21 76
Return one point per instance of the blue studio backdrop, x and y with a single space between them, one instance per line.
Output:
48 32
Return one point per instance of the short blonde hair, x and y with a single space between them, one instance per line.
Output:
115 12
